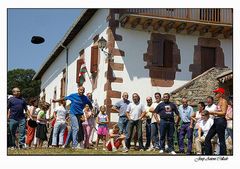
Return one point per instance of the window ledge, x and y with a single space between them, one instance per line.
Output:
152 67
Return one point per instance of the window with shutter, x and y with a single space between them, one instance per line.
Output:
168 53
157 52
63 84
94 59
79 63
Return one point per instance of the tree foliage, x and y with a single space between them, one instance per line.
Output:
22 78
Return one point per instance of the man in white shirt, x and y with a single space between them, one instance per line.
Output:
205 125
211 107
135 112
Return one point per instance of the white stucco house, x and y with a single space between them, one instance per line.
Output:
152 50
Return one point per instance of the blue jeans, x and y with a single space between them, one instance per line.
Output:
229 133
154 134
166 128
69 138
122 124
148 133
77 129
58 128
21 125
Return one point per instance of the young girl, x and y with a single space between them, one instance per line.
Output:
116 140
87 125
102 121
41 133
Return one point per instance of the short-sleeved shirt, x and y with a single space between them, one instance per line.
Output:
61 114
42 114
78 103
17 105
135 110
122 106
102 118
206 125
166 111
154 105
211 108
185 113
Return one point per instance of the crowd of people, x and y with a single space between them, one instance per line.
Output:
153 124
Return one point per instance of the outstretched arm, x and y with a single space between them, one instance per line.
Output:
57 100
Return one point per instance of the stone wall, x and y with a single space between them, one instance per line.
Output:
199 88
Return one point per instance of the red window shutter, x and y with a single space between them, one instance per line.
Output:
94 59
79 63
168 53
157 52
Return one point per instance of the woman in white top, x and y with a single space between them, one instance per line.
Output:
204 126
60 114
196 118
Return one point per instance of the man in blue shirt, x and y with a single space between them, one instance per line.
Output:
166 110
16 117
185 112
78 102
121 107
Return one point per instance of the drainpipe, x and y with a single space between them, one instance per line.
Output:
66 86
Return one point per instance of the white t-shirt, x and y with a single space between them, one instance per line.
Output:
135 110
61 114
206 125
211 108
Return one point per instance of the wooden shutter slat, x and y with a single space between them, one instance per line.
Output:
157 52
94 59
168 53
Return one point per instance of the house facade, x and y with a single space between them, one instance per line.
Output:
151 50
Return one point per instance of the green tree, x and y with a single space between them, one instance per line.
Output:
22 78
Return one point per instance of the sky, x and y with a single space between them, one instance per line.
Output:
51 24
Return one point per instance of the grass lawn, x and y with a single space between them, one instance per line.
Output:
69 151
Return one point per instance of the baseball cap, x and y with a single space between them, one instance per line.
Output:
219 90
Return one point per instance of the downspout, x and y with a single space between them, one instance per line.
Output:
66 66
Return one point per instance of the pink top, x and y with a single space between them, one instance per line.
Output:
88 121
229 113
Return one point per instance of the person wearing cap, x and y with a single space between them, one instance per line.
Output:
219 125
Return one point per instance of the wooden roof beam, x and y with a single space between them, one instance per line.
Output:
146 23
135 22
228 33
124 21
181 27
205 29
169 26
192 28
218 31
157 25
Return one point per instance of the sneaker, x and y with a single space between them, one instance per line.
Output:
150 149
161 151
141 149
96 148
114 149
172 152
125 150
104 149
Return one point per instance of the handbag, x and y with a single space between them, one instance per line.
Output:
32 123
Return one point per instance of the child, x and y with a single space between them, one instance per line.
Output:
87 125
102 120
41 133
116 140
